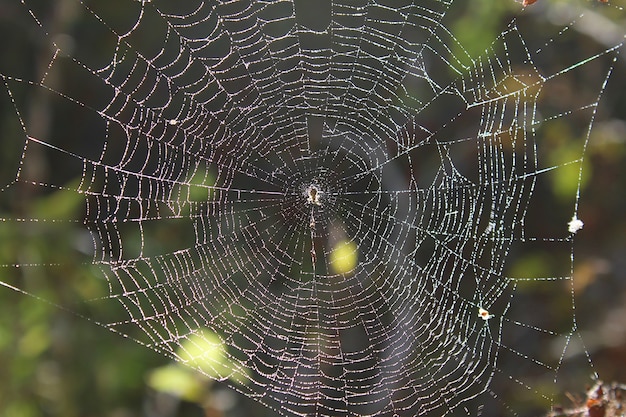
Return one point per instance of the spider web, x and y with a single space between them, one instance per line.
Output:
326 194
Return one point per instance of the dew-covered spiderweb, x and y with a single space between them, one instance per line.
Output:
327 194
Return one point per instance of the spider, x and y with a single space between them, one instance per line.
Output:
313 195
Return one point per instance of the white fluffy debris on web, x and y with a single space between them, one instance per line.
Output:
575 224
484 314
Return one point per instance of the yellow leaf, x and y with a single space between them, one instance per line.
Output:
344 257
